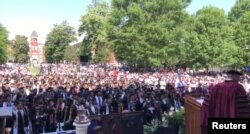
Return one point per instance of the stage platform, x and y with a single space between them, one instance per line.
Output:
61 132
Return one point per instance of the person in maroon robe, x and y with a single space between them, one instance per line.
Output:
221 100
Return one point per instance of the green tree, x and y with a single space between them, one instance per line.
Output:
210 36
57 41
21 48
102 55
148 33
71 54
239 9
230 56
241 38
3 44
93 27
10 51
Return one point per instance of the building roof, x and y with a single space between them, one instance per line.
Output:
34 34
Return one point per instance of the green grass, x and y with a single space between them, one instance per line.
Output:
34 70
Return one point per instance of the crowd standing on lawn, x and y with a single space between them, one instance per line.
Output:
41 103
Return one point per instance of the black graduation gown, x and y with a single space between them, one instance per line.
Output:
68 122
114 107
150 115
37 122
18 122
138 105
51 120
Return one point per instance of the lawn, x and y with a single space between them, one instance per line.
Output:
34 70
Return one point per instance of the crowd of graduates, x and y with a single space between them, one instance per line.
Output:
48 102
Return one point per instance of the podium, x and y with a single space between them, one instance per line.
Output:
5 112
192 108
193 105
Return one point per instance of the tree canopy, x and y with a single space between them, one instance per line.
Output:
72 53
94 28
239 9
57 41
3 44
153 33
209 37
21 48
150 33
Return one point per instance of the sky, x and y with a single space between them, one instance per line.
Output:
226 5
21 17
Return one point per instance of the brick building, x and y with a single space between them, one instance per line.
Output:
36 49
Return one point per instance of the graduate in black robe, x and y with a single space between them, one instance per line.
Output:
18 119
51 120
149 113
26 119
59 110
114 106
69 115
38 116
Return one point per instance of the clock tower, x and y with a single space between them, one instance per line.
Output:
36 50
